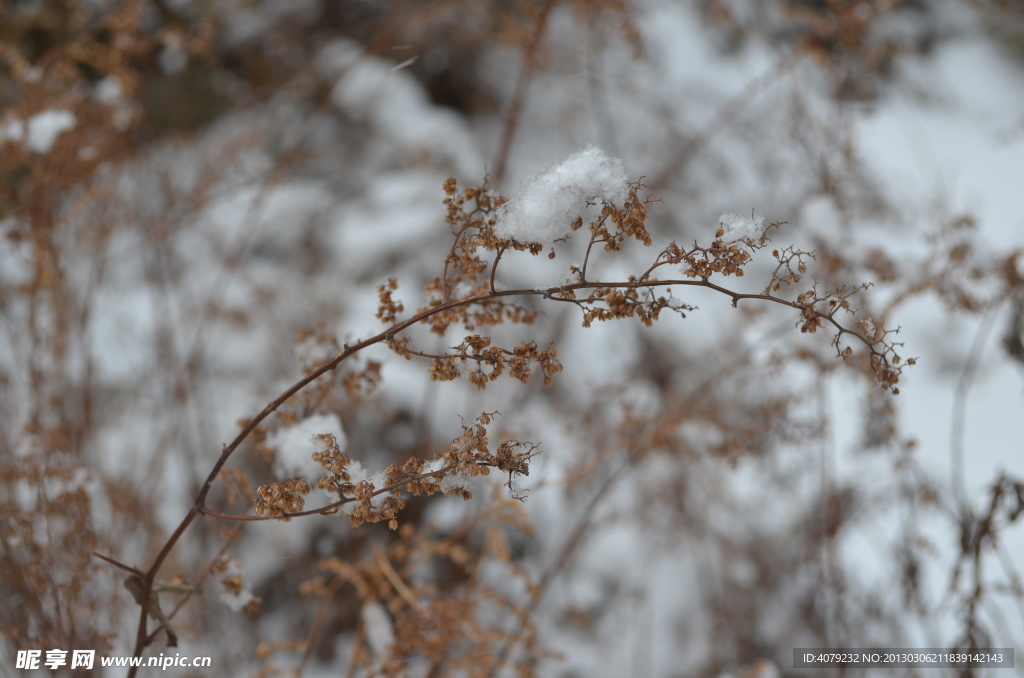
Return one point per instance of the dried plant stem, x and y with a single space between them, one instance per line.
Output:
318 623
720 121
515 108
963 387
232 537
356 645
494 268
595 86
330 508
400 586
570 546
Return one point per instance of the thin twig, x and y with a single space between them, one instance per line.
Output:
356 644
324 510
586 519
318 623
963 386
732 108
115 563
494 268
400 586
515 108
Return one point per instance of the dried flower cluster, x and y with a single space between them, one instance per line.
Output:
470 214
366 501
479 362
277 499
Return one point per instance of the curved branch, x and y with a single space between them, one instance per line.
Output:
324 510
388 335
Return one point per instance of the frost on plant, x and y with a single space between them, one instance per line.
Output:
236 592
735 228
44 128
293 445
547 203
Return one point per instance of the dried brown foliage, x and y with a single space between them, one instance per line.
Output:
436 590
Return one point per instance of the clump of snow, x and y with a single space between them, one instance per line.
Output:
459 481
435 464
867 328
547 203
13 130
235 596
295 445
739 228
358 473
109 91
44 128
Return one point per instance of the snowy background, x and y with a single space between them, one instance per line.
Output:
713 490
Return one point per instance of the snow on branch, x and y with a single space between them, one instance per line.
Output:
550 201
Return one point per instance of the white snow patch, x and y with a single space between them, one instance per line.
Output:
358 473
377 624
295 445
236 600
739 228
434 465
44 128
109 91
454 482
13 131
449 482
548 202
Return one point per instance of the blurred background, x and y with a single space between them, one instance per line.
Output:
198 201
